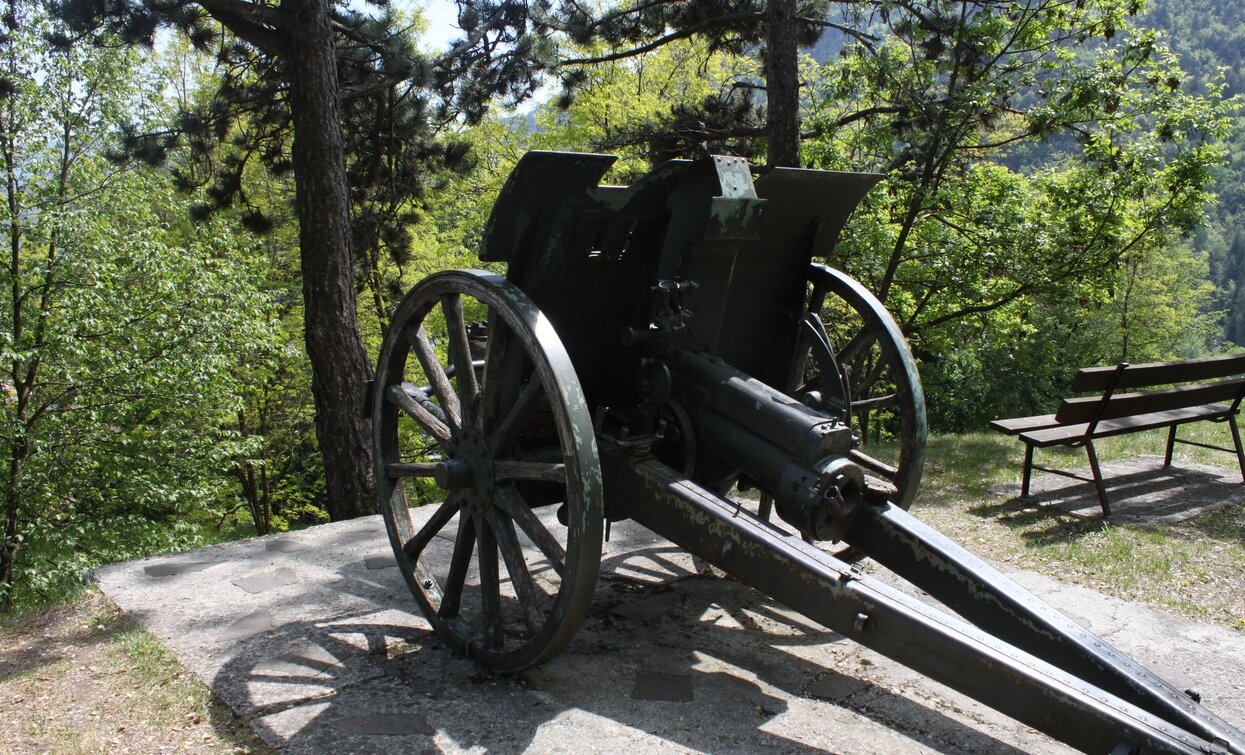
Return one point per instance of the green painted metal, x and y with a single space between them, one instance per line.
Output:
655 346
465 439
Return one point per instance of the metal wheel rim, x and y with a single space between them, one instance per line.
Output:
911 399
552 367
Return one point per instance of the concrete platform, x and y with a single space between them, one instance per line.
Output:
310 636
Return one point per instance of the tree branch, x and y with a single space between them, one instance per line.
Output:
867 39
476 37
258 24
869 111
594 24
683 33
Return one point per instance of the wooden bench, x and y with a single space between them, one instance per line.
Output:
1193 390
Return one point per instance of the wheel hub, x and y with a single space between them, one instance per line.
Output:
468 472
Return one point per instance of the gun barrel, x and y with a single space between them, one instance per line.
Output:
795 454
804 433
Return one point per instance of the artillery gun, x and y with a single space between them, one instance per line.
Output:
652 351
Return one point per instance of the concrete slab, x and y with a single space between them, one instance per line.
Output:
328 657
1141 490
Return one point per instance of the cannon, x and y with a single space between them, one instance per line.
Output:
669 352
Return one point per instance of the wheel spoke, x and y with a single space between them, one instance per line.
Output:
508 584
531 598
435 524
877 402
431 425
490 586
527 470
436 375
877 368
817 299
460 355
875 365
503 438
494 364
874 465
412 469
419 394
865 336
464 544
517 509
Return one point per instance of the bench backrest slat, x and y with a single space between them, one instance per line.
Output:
1099 379
1077 410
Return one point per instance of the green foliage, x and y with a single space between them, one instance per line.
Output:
1046 164
1043 162
639 107
736 119
1209 35
119 328
1037 191
126 435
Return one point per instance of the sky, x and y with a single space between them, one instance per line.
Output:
442 17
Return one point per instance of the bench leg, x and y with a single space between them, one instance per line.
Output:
1102 490
1171 443
1028 471
1236 440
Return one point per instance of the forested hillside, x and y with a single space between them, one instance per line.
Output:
1209 36
211 209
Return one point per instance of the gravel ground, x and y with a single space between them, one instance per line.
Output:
80 678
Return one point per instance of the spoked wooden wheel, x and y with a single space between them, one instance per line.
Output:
853 362
503 453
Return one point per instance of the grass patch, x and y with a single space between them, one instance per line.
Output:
1195 567
82 678
166 689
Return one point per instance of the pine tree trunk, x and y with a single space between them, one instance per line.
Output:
338 362
782 85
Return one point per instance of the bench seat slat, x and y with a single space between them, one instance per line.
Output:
1098 379
1064 434
1077 410
1019 425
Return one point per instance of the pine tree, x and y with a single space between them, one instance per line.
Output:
339 98
776 30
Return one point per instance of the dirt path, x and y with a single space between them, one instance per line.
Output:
81 678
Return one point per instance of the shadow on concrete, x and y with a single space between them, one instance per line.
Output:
690 659
1142 492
